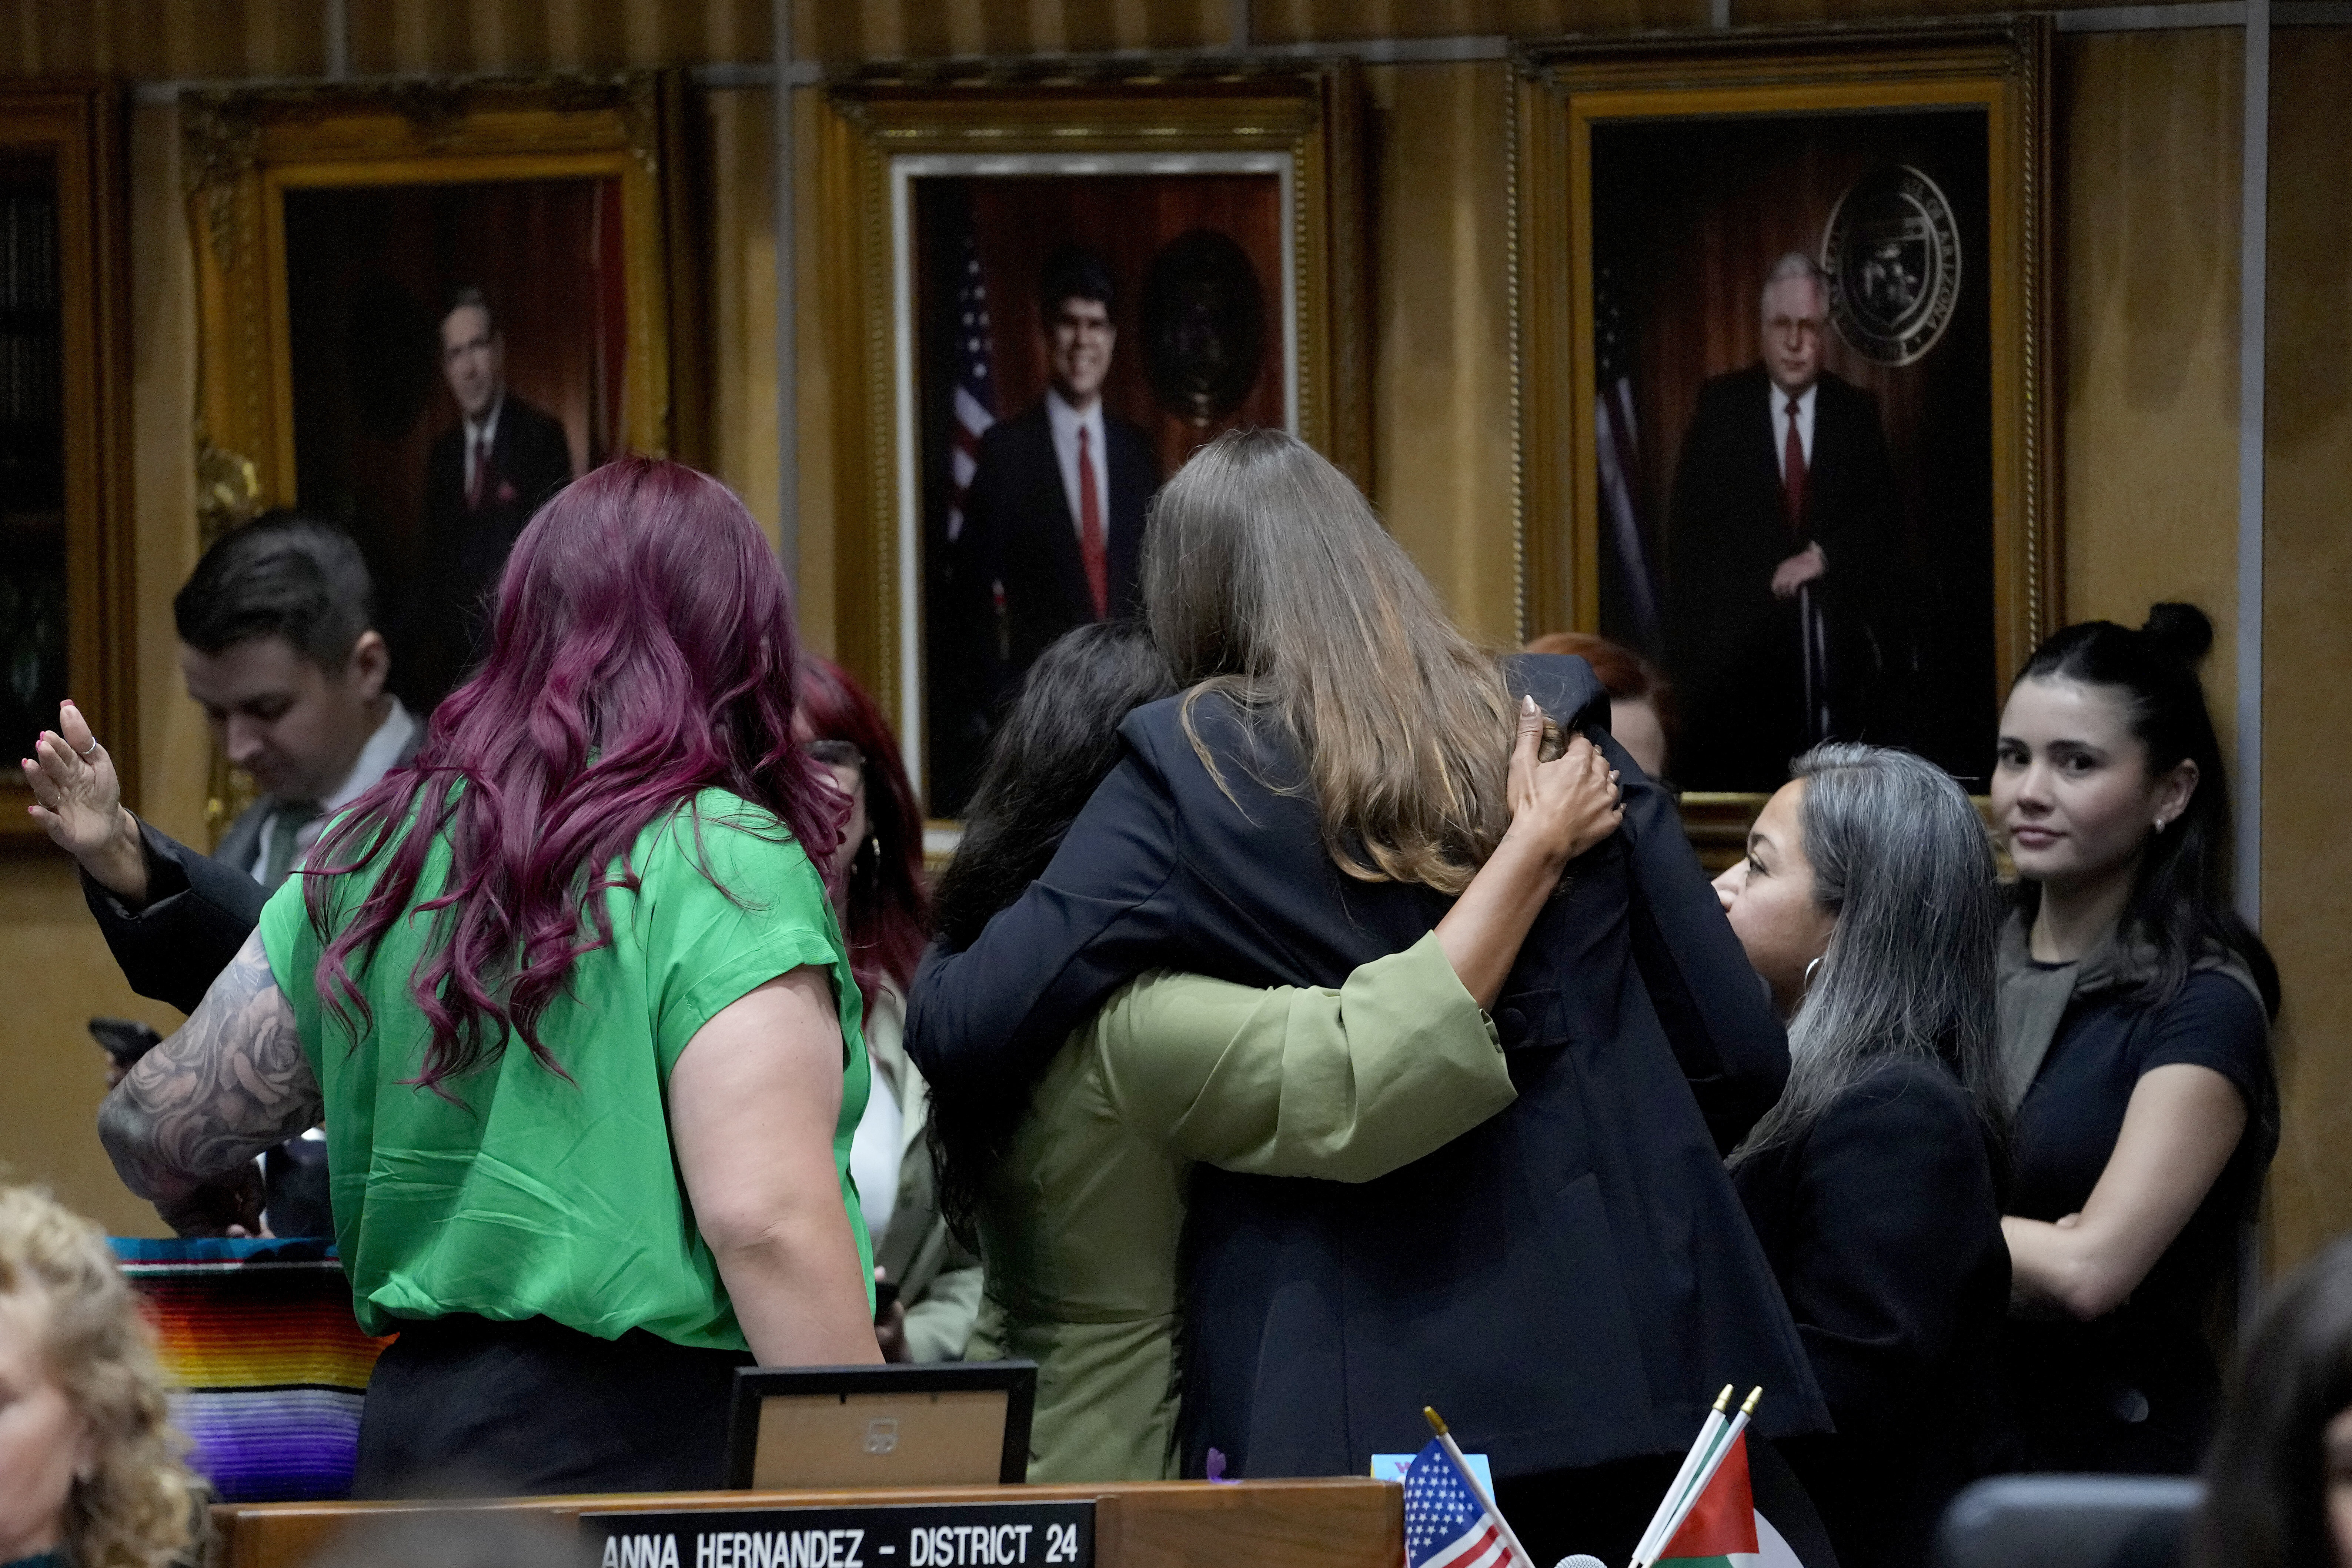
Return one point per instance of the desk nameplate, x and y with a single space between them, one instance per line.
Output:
882 1535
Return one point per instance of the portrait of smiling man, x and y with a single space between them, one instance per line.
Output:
1053 520
1784 516
485 478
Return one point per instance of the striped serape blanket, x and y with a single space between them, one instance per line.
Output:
267 1365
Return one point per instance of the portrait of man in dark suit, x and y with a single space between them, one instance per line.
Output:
484 479
1053 519
1782 528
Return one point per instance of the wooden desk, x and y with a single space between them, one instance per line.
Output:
1334 1523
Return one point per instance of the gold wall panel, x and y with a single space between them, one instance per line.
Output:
2307 633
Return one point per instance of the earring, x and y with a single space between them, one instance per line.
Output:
1816 964
2159 824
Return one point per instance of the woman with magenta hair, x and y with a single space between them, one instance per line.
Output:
573 1004
931 1282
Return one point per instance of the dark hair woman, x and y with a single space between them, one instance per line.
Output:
1335 773
1077 1185
572 1002
2278 1483
2135 1018
878 892
1866 900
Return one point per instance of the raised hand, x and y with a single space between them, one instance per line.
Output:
77 800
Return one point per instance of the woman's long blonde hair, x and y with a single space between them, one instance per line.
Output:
1267 579
139 1506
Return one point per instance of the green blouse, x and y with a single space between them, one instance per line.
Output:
544 1194
1082 1221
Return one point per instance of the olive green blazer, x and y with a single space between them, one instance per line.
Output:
1082 1221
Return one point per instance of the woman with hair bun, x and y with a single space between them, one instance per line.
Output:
2134 1035
90 1470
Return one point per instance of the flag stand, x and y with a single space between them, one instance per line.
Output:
1699 1468
1453 1452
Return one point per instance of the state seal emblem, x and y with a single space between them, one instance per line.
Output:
1204 326
1892 254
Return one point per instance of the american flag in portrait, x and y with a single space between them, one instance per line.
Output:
975 396
1445 1525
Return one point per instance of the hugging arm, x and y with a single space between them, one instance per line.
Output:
997 1010
230 1083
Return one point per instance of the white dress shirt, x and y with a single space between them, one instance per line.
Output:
480 436
376 759
1804 426
1065 423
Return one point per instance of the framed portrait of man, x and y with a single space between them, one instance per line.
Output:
426 309
1783 369
1070 288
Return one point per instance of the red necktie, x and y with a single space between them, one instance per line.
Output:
1090 530
1793 472
481 473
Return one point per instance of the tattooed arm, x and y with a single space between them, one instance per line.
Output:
199 1107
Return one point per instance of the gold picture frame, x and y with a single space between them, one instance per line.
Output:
245 152
886 127
73 130
1564 90
245 149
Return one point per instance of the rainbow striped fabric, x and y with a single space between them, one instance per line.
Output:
269 1366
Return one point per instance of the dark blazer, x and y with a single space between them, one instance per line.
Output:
1018 532
199 909
1882 1224
1732 648
1572 1282
531 460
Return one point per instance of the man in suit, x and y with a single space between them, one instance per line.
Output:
1783 520
276 645
1053 519
485 478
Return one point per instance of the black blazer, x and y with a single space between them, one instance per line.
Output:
1732 647
199 910
531 460
1018 532
1572 1282
1882 1224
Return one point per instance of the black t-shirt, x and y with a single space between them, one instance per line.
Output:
2135 1389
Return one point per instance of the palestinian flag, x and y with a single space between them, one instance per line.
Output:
1723 1528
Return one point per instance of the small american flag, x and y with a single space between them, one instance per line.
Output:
1445 1525
975 396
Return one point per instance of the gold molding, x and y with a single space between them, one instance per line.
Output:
1563 86
79 125
244 149
1308 108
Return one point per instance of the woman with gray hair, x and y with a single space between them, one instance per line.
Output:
1866 900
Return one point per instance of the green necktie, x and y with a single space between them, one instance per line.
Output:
286 821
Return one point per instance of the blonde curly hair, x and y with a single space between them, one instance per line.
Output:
140 1508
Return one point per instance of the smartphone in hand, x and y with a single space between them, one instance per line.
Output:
124 1040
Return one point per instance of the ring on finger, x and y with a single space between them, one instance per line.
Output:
91 750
